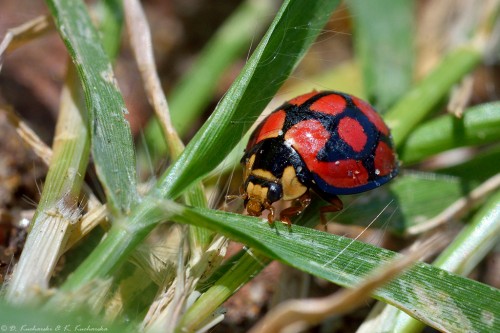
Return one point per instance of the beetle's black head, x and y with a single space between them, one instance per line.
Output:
260 194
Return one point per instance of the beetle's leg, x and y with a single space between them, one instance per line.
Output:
234 196
242 196
297 207
271 215
335 205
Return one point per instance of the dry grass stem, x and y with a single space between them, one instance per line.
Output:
459 208
461 96
97 211
140 40
28 135
167 309
18 36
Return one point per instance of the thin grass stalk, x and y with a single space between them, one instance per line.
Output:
140 36
163 313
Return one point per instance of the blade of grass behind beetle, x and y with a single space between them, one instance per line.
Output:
384 46
479 125
415 105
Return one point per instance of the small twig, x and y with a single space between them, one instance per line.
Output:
140 40
461 96
28 135
297 315
459 208
16 37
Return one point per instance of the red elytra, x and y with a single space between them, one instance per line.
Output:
351 131
330 104
330 142
271 127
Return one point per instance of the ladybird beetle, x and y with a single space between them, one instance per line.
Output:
328 141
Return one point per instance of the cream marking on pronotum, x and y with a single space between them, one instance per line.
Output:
359 235
292 187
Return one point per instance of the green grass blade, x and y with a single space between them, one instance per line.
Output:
345 262
18 319
479 125
233 274
473 243
111 25
293 30
414 106
231 40
384 45
112 145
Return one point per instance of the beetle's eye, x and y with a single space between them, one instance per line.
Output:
274 192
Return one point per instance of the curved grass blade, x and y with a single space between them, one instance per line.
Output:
112 145
345 262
